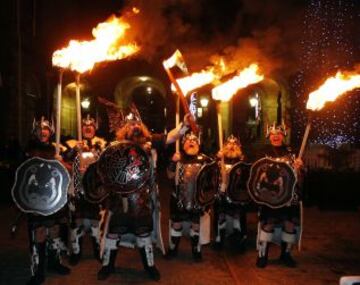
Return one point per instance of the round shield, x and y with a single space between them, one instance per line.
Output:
237 186
124 167
207 182
272 182
94 191
41 186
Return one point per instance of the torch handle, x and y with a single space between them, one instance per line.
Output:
221 140
78 107
182 98
304 141
58 114
177 122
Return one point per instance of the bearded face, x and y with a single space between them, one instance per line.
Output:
134 132
276 139
88 131
191 147
43 135
232 150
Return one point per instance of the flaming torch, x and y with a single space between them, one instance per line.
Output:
225 91
332 88
195 80
177 60
109 44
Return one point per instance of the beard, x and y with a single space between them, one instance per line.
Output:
232 153
136 135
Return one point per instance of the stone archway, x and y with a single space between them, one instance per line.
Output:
269 91
148 94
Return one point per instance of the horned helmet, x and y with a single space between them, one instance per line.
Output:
191 144
232 148
233 139
89 121
39 128
276 129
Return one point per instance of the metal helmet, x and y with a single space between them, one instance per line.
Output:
41 124
276 129
233 139
133 115
190 136
88 121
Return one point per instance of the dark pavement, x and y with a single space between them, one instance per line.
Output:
331 249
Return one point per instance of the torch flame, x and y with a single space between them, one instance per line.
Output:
195 80
247 76
331 89
108 44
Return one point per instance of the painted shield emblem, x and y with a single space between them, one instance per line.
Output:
41 186
124 167
207 182
272 183
237 187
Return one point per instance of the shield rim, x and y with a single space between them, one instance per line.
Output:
264 203
16 182
210 164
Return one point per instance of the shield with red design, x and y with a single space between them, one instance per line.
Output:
124 167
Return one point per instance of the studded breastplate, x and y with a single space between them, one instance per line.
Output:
82 161
187 183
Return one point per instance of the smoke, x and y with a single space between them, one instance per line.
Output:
239 32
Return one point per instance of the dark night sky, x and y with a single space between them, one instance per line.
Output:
270 32
267 30
206 27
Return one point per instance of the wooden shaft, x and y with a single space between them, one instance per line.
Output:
58 114
78 107
184 103
177 121
304 141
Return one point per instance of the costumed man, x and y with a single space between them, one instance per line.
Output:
133 213
232 198
272 181
44 231
185 168
85 216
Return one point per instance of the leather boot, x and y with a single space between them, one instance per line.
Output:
109 268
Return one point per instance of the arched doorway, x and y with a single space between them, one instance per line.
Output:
258 105
68 106
149 96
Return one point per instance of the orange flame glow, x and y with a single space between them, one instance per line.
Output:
176 59
108 44
247 76
195 80
332 89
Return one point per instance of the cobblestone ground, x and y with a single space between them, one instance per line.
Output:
331 249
